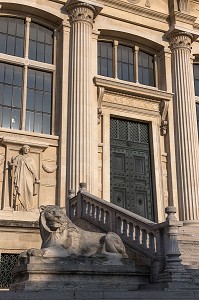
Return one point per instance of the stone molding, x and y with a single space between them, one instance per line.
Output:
81 12
181 17
131 88
180 40
122 100
164 106
138 10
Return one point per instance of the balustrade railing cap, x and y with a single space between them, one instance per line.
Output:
83 186
170 210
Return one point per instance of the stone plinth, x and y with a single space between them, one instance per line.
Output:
39 273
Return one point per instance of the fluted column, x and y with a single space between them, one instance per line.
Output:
185 126
79 164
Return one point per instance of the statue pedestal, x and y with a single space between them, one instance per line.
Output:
74 272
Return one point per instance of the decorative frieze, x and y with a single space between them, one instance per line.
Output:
130 101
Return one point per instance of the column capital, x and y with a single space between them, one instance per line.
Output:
82 10
180 40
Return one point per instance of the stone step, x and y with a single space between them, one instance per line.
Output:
99 295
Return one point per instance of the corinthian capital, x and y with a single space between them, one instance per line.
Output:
180 40
81 12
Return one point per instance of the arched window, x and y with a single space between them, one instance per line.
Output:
26 75
125 62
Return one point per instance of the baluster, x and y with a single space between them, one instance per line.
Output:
107 219
88 208
124 230
118 225
97 213
102 215
84 207
137 234
151 242
93 211
131 228
144 238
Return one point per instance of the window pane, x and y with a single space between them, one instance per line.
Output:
6 117
47 103
12 36
12 26
7 95
41 43
196 78
30 104
48 54
39 100
11 45
39 96
38 122
1 72
46 124
32 50
31 79
3 24
29 121
15 121
126 61
19 47
146 69
17 97
40 52
17 76
2 43
47 82
39 80
8 74
10 95
105 59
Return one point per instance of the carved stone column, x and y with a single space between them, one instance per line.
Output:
80 162
185 126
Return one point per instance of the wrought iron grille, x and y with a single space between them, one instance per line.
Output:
129 131
7 262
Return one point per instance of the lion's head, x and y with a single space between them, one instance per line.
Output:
53 217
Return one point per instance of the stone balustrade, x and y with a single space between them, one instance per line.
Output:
153 241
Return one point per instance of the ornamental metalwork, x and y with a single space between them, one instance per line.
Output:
7 263
130 164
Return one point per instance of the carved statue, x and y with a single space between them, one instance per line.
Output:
24 179
62 238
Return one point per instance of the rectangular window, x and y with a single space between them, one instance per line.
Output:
125 61
10 95
38 105
41 43
105 59
26 101
146 68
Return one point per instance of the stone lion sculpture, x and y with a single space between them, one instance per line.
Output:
61 237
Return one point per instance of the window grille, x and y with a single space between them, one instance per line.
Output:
7 262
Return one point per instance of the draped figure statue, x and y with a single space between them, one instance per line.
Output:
24 180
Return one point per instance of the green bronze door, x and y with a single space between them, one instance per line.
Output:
131 186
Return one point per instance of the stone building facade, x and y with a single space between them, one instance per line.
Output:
103 92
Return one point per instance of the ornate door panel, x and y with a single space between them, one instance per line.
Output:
130 167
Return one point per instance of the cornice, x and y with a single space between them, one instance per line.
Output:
135 9
133 89
181 17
